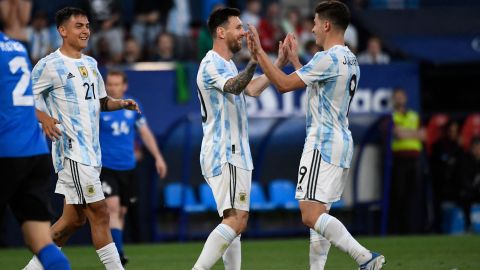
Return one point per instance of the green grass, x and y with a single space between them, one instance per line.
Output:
405 253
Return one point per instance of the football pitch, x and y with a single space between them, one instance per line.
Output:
405 253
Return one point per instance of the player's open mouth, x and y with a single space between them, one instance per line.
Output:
84 38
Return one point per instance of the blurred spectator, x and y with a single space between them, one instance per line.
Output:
132 53
374 53
444 161
205 41
270 29
146 26
311 48
306 34
178 22
165 48
469 176
39 37
351 38
15 15
406 214
251 14
107 31
292 22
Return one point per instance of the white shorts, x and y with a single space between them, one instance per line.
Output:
318 180
231 189
79 183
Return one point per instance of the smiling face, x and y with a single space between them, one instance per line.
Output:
319 30
234 34
75 32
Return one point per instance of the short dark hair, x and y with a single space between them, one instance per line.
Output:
220 17
334 11
118 73
65 13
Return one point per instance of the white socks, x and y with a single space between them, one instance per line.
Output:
319 247
109 257
216 244
34 264
334 231
232 258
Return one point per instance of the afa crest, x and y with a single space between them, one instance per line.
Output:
90 190
242 196
83 71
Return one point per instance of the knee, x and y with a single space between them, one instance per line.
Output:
101 214
78 222
308 220
238 220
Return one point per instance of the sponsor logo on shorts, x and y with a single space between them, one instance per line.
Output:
90 190
299 188
243 196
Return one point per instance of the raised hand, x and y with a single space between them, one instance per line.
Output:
254 38
291 46
130 104
282 58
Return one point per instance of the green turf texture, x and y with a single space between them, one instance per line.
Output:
405 253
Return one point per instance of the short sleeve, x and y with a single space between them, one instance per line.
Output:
41 78
101 85
320 68
218 73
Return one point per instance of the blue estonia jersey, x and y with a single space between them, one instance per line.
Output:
331 78
117 135
224 117
69 90
20 133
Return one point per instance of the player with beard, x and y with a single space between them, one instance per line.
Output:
225 156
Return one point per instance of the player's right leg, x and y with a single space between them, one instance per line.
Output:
231 190
319 185
80 184
30 203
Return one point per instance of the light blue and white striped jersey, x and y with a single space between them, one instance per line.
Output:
224 117
331 78
69 90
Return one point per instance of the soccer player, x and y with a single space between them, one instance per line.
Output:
24 160
225 156
70 93
117 135
331 78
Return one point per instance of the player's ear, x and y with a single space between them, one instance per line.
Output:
220 32
62 30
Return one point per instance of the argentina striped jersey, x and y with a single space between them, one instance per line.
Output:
224 117
331 77
69 90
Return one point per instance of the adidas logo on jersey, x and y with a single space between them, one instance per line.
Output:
70 75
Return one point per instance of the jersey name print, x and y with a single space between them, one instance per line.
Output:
331 77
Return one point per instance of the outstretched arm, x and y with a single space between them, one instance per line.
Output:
283 82
257 85
110 104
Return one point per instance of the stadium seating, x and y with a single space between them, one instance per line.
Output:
434 129
179 196
206 197
258 202
470 130
282 194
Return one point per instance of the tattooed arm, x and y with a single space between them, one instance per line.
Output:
238 83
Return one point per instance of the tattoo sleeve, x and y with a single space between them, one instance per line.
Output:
104 104
238 83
